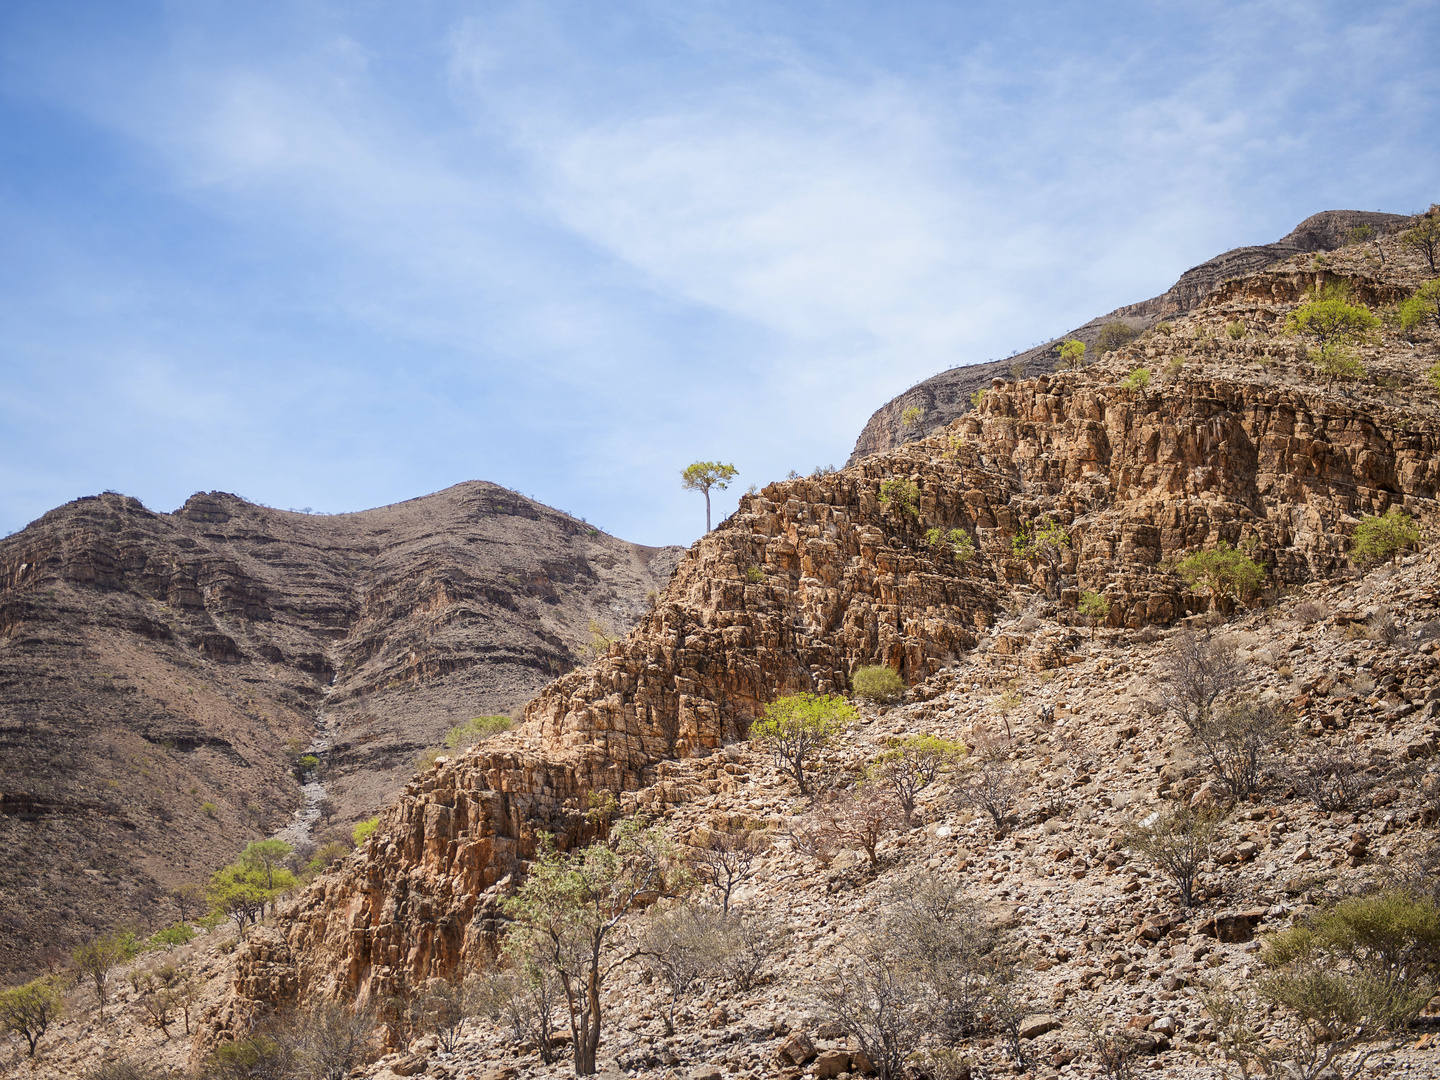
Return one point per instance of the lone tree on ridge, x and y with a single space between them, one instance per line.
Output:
702 476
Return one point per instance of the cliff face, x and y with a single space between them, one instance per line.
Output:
1235 440
945 396
158 672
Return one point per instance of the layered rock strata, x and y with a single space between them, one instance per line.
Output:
943 397
1236 440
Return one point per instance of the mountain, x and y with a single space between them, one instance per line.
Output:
941 398
161 673
1237 438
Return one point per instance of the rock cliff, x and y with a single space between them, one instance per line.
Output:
159 673
1236 439
943 397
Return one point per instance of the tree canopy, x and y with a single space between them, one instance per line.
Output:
702 476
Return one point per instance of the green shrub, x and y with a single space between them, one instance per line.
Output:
1072 354
475 730
1384 536
1174 367
1224 571
1330 319
1166 328
363 829
1094 607
878 683
1433 377
755 575
900 495
1421 308
1235 329
910 418
172 936
977 397
957 540
1339 362
1115 335
209 809
1138 379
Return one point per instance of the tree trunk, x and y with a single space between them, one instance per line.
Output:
707 510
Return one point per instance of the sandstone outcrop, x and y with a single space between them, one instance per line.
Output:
1235 440
945 396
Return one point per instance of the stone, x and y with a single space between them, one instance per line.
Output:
408 1065
831 1064
706 1072
1233 926
796 1050
1037 1024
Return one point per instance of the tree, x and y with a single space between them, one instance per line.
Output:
95 960
860 816
567 913
910 418
1334 323
794 728
1178 843
879 682
990 784
1195 673
189 899
264 857
900 495
1425 236
1047 541
1223 570
1115 335
702 476
911 765
1072 354
726 859
242 891
1385 536
1094 607
30 1009
1421 308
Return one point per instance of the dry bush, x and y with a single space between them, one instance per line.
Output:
1331 778
1238 740
726 859
930 968
683 945
1196 672
754 943
991 783
861 816
1384 627
1311 611
525 996
1177 843
321 1044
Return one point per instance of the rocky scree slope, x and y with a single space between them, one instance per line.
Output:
1098 930
1236 440
158 671
943 397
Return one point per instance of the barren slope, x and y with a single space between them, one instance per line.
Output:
158 672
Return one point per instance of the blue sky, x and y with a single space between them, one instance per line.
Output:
336 255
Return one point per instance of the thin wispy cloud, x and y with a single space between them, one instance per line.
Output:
336 257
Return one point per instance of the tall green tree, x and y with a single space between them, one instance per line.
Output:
1425 237
794 728
701 476
567 917
30 1009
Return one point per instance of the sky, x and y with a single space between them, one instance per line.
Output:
338 255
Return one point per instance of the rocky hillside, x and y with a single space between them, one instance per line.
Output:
159 674
943 397
1236 438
